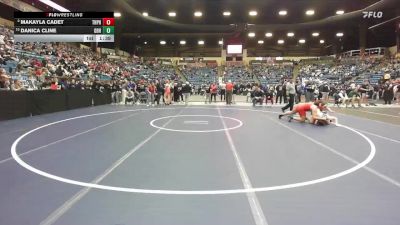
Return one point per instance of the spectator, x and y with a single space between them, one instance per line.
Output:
129 96
248 93
343 98
355 97
152 93
229 92
396 91
116 93
17 86
236 91
159 92
208 94
299 92
284 92
4 82
363 90
310 89
222 86
387 94
257 96
269 95
167 92
214 91
186 90
292 92
279 93
325 92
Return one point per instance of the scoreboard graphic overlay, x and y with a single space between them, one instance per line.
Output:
64 26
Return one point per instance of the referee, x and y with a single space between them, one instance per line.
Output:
291 90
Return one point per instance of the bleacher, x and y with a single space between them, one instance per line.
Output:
340 71
238 74
271 74
372 78
200 75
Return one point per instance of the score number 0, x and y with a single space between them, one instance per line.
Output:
108 21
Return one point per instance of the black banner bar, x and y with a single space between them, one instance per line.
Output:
58 30
18 14
34 22
16 104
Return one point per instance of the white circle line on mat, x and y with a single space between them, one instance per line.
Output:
186 192
152 123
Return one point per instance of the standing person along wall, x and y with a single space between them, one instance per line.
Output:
325 89
186 90
214 91
229 92
387 93
292 92
310 89
279 93
207 94
396 91
236 91
222 87
152 93
299 91
159 92
363 90
167 93
284 92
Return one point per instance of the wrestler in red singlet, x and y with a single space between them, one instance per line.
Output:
302 108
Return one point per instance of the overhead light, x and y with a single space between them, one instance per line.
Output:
198 14
163 42
227 13
220 42
260 42
340 12
310 12
57 6
315 34
253 13
200 42
302 41
145 14
340 34
183 42
172 14
283 13
321 41
290 34
281 41
117 14
145 42
252 34
268 34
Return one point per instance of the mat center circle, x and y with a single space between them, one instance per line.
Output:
196 123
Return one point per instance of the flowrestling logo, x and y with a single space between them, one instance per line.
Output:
372 14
